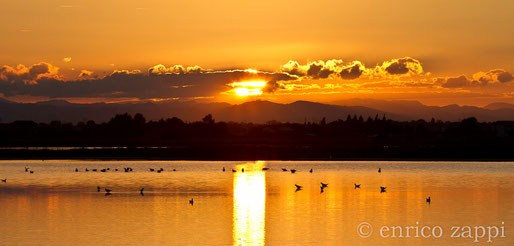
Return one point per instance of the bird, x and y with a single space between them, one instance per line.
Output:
98 188
94 170
379 170
191 201
31 171
428 200
382 189
4 180
103 170
107 191
159 171
322 189
284 170
116 169
357 186
76 169
162 169
26 169
233 170
141 191
151 169
108 169
223 169
87 170
265 168
323 185
174 169
242 170
298 187
310 171
293 170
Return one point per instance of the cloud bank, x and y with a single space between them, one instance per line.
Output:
178 81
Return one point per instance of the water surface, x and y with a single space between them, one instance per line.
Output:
58 206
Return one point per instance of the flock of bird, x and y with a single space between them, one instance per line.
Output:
323 185
129 169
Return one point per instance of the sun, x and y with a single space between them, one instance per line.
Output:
248 88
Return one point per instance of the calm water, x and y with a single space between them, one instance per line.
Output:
57 206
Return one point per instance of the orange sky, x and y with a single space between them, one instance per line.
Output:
91 38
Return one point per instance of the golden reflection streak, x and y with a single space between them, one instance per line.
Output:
249 204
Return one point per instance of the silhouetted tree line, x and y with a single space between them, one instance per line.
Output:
128 130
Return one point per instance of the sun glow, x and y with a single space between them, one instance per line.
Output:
249 204
248 88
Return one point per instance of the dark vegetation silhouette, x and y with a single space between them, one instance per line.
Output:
132 137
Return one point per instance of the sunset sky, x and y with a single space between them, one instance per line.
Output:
437 52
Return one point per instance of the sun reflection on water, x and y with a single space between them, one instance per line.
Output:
249 204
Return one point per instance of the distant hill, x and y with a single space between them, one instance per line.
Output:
499 105
453 112
300 111
255 111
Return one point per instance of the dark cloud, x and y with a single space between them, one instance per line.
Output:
403 66
458 82
29 74
480 79
505 77
351 72
188 83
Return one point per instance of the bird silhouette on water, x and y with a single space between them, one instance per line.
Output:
233 170
31 171
76 170
141 191
223 169
191 201
310 171
357 186
293 170
87 170
4 180
322 189
151 169
428 200
242 170
284 170
379 170
265 168
107 191
323 185
382 189
298 187
26 169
